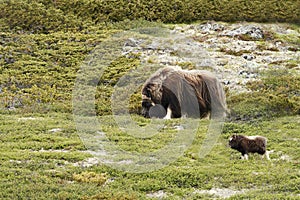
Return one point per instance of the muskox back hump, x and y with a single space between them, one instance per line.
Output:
257 144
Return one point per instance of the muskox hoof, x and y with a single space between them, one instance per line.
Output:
157 111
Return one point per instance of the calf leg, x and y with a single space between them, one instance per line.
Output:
267 154
244 156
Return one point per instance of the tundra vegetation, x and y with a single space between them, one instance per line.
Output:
44 42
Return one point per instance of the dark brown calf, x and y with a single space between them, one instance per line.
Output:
249 144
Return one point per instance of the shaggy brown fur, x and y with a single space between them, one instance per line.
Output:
193 93
249 144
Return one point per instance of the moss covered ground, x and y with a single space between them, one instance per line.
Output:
42 157
42 46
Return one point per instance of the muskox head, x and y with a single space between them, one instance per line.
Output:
151 106
234 141
146 105
147 102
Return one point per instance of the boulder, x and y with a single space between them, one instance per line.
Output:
251 31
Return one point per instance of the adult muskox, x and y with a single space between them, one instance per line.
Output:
172 93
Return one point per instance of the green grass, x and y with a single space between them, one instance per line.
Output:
41 164
276 94
42 45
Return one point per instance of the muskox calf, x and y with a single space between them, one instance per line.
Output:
249 144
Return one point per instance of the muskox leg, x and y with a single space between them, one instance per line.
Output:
267 154
169 113
244 156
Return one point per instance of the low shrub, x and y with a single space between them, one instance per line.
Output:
49 15
36 17
276 94
37 71
90 177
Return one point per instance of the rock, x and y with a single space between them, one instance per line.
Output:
206 63
226 82
178 127
157 195
9 60
247 74
11 108
221 192
26 118
54 130
210 26
89 162
253 32
248 57
191 30
131 42
229 50
243 73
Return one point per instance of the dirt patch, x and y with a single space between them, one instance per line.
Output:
158 195
29 118
221 192
89 162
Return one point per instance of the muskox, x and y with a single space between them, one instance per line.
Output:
249 144
172 92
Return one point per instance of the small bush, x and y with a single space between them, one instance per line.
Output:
35 17
48 15
275 95
90 177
